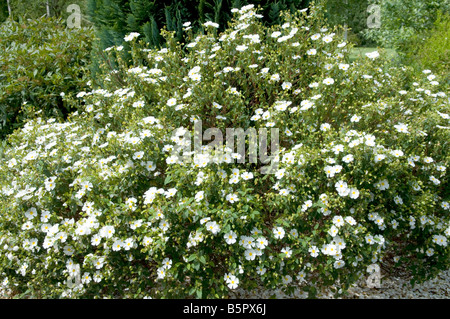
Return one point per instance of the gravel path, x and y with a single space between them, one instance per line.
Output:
391 288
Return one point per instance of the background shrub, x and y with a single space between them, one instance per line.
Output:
431 50
39 60
353 14
402 20
35 9
361 178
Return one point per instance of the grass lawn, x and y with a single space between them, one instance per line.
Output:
361 51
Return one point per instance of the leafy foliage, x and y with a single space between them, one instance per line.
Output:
25 9
431 50
39 60
401 20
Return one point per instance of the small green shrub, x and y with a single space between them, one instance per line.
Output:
103 197
39 60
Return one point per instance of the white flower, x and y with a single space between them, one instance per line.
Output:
287 251
333 231
247 175
354 193
128 244
275 77
435 180
350 220
329 249
230 237
314 251
382 185
31 213
275 34
172 102
428 160
170 192
338 221
261 243
338 264
440 240
261 271
199 196
212 24
307 205
161 271
232 282
311 52
117 245
341 186
355 118
138 104
286 85
348 158
398 200
138 155
232 198
397 153
402 128
213 227
107 231
167 263
278 232
373 55
286 279
379 157
445 205
250 254
96 239
68 250
280 173
343 66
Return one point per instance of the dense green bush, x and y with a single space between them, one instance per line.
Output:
39 60
361 177
431 50
37 8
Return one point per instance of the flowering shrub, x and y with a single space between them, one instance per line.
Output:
40 60
100 206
